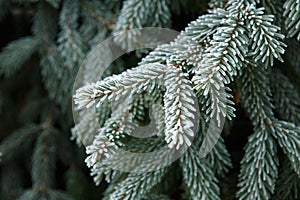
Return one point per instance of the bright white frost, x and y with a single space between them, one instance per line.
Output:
179 98
179 102
266 39
112 88
101 149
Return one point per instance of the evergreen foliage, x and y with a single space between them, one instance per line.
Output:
238 56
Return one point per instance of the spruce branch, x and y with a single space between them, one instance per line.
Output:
258 167
16 142
43 166
138 14
131 81
88 7
255 86
286 97
288 183
44 24
288 136
259 107
206 25
292 14
70 43
265 37
221 61
84 131
213 50
16 53
101 149
219 159
199 178
159 55
137 185
179 106
114 182
43 161
54 71
86 128
204 60
107 139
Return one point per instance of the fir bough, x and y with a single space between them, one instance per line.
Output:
232 54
